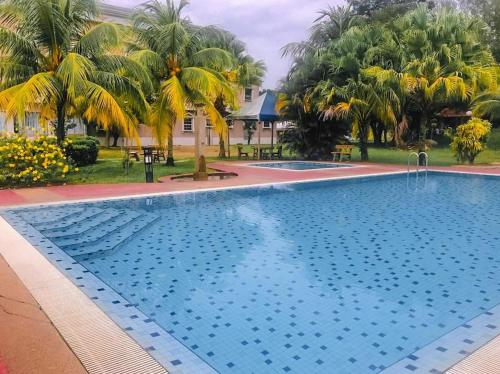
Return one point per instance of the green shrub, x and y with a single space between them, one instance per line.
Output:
83 150
494 139
470 139
26 162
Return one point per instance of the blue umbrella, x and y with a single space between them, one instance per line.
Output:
262 109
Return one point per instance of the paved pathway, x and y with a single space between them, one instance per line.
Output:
29 343
3 368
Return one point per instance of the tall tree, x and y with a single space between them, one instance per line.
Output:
245 72
393 73
187 74
369 8
56 60
441 67
489 11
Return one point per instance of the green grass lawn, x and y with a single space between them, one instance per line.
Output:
110 170
440 156
109 167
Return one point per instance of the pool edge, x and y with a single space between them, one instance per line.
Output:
24 273
96 340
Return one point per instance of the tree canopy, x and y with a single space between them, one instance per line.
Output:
58 61
387 75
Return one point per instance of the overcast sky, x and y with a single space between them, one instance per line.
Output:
264 25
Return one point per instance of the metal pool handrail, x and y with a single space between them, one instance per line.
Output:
426 157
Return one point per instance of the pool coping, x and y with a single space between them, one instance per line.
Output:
210 189
49 296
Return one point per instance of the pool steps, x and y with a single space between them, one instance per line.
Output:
46 216
78 235
79 226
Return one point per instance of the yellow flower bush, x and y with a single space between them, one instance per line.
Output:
26 162
470 139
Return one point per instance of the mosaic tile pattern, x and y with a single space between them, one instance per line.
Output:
356 275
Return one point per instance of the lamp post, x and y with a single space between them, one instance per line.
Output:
148 164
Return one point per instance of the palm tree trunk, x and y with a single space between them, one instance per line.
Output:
363 141
61 124
222 147
91 128
170 150
198 147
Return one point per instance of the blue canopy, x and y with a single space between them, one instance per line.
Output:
262 109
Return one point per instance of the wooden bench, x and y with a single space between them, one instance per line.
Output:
133 152
341 151
278 153
241 153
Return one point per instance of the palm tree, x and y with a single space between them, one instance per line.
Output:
245 71
362 104
56 61
438 66
187 74
488 105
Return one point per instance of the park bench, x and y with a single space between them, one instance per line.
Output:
278 153
341 151
241 153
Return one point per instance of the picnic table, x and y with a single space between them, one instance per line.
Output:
268 152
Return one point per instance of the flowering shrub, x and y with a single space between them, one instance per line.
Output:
26 162
470 139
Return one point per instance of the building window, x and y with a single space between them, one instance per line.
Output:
248 94
208 124
188 124
266 125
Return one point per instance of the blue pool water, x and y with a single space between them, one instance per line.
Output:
328 277
299 165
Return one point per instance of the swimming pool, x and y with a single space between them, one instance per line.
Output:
299 165
355 275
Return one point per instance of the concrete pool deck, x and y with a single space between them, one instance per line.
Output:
12 353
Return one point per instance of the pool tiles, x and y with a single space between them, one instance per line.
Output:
300 278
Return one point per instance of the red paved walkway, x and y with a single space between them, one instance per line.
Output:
246 176
3 368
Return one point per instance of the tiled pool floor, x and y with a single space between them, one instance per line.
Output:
355 275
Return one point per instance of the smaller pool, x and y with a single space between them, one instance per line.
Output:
299 165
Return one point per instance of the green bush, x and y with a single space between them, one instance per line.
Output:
27 162
470 139
83 151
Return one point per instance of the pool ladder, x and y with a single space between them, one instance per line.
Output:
426 165
426 158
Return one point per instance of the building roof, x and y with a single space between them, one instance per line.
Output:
262 109
452 113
